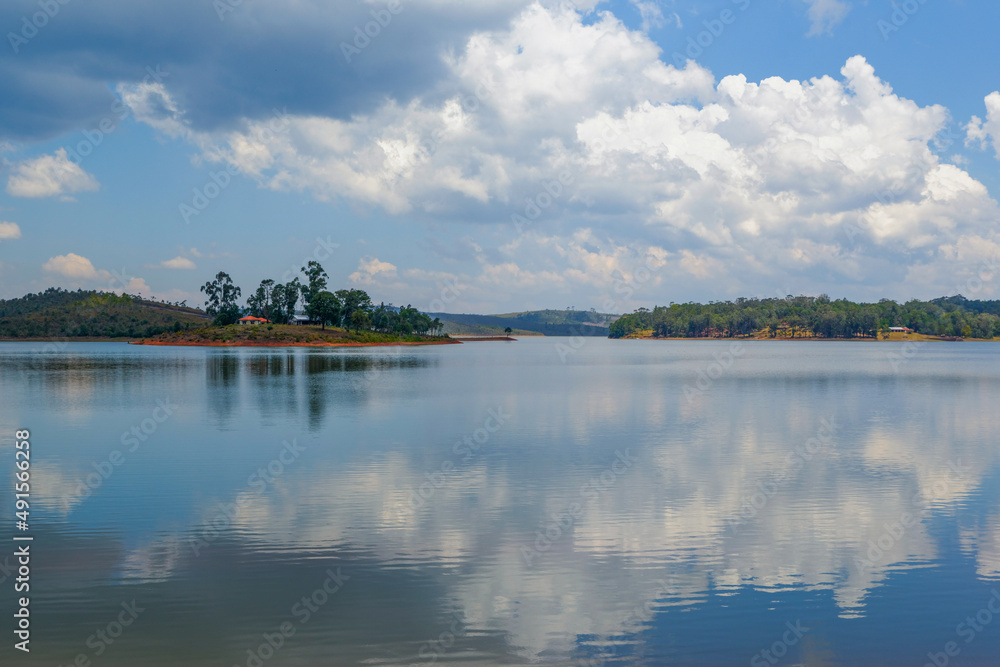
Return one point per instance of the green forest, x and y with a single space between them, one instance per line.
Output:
58 313
819 317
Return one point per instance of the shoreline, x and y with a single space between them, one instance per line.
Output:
313 344
922 339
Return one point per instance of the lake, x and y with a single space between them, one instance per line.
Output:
559 501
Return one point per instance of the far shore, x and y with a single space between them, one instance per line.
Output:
892 338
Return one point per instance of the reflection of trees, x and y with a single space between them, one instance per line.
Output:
277 379
351 378
222 377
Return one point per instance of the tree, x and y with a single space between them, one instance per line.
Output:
292 291
222 294
260 304
360 319
508 331
317 283
351 301
325 307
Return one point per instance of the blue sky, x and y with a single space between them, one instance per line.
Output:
505 154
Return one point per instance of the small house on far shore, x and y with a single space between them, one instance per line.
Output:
904 330
250 319
301 320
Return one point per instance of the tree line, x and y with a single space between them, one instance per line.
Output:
814 316
277 302
60 313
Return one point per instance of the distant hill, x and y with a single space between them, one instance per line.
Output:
58 313
544 322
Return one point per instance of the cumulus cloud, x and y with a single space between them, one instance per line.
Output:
73 266
369 268
49 176
9 231
825 14
179 263
571 124
982 133
82 272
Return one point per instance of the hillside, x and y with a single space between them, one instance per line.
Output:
58 313
544 322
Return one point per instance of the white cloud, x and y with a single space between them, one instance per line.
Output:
82 272
825 14
136 286
49 176
745 183
180 263
369 268
9 231
150 103
72 266
652 15
985 132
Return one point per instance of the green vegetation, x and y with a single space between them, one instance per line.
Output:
814 317
346 308
58 313
222 295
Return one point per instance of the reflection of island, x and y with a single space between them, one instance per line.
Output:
279 382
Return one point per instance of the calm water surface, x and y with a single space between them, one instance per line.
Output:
661 503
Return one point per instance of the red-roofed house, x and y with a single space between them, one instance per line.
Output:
253 320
